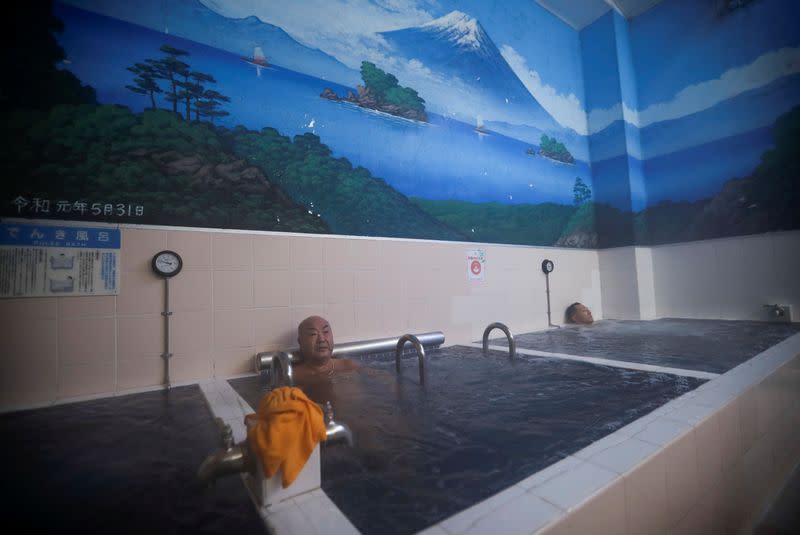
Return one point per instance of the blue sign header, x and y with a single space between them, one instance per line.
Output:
59 236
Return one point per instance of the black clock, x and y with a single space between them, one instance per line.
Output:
167 264
547 266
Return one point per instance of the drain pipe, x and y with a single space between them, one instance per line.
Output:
166 355
166 264
547 268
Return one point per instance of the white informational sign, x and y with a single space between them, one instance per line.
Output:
476 264
51 260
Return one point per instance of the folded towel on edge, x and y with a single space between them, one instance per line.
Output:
284 432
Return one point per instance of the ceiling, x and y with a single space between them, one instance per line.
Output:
581 13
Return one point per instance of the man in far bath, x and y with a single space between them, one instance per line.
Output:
579 313
315 337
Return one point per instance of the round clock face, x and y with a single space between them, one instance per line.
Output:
167 263
547 266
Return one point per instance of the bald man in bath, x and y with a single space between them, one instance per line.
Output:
315 337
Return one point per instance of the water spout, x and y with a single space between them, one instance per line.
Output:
280 370
229 459
334 431
237 458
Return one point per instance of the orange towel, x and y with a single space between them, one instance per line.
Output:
284 432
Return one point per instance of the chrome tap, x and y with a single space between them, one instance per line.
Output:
335 432
280 370
775 311
230 459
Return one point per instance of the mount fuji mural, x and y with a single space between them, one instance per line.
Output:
469 68
451 120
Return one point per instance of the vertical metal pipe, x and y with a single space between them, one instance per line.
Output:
547 283
166 355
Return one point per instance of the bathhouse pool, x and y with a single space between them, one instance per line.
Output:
125 464
714 346
479 425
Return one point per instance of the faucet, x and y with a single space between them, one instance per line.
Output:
280 370
776 311
229 459
237 458
420 353
334 431
512 345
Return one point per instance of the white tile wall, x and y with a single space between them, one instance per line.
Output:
644 279
619 283
242 279
728 278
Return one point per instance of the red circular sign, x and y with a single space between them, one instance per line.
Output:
475 267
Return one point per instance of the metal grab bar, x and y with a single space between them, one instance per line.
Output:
280 371
512 346
420 353
263 360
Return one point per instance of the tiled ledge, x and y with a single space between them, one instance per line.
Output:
308 513
708 461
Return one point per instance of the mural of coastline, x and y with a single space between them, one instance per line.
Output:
453 120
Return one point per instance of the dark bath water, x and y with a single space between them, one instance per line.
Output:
478 426
119 465
703 345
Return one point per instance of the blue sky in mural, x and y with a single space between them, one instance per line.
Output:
346 33
685 65
707 89
547 65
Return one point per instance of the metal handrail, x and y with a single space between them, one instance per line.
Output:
262 361
420 353
512 346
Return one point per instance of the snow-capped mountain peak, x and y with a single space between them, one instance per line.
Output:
458 28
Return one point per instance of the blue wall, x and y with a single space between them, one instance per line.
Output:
702 90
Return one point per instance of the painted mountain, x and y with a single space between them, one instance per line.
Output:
192 20
474 80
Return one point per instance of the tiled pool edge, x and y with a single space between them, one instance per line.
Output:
311 512
606 362
708 461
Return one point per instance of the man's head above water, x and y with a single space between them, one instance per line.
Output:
315 337
579 313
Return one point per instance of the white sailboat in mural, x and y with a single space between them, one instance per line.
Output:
480 128
258 59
